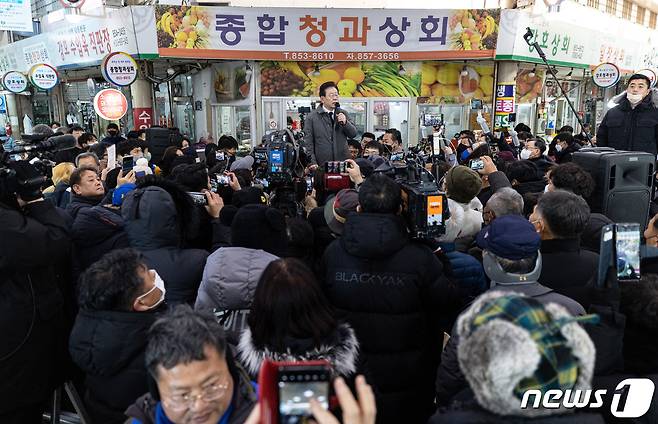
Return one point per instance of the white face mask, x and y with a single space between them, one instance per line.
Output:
159 284
525 154
147 155
546 188
558 148
634 98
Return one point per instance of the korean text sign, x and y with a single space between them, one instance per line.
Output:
325 34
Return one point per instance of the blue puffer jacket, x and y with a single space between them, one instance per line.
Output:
466 270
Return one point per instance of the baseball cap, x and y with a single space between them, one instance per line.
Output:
510 237
338 207
246 162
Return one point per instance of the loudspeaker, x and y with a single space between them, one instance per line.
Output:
158 140
624 182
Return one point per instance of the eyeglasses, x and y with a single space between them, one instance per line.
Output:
209 394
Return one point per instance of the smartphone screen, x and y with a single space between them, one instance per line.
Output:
127 164
309 184
140 174
297 385
606 253
627 247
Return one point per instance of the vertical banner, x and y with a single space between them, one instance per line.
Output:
142 117
504 104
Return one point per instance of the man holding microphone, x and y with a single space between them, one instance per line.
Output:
327 128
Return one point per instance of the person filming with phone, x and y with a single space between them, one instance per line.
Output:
327 128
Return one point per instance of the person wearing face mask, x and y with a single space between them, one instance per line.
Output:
632 124
118 298
534 152
113 135
565 146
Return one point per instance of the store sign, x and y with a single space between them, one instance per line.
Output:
14 81
110 104
119 68
44 76
16 15
85 43
650 74
504 105
143 117
302 34
605 75
563 43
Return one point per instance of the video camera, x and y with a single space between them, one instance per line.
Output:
424 205
26 178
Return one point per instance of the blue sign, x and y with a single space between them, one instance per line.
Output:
3 104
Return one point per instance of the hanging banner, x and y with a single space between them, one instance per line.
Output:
14 81
44 76
142 117
16 15
605 75
302 34
119 68
110 104
79 44
504 105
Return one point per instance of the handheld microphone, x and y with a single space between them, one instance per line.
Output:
336 112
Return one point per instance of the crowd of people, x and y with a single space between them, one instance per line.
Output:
159 290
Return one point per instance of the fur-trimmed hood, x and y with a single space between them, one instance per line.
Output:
654 98
342 353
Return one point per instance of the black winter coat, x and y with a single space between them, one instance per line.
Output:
97 231
34 246
150 219
567 154
109 347
543 164
79 203
392 292
568 269
625 128
61 196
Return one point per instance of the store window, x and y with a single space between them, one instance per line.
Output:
183 105
626 9
611 7
41 109
640 15
391 114
593 3
652 20
234 121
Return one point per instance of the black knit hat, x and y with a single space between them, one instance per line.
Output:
260 227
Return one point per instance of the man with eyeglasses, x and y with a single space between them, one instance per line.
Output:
198 381
327 128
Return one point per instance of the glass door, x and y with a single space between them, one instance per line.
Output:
358 112
234 121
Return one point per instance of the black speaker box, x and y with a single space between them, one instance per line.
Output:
158 140
624 182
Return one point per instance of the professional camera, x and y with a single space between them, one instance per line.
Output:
424 206
25 178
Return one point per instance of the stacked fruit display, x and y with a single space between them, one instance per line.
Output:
456 83
474 29
278 81
184 27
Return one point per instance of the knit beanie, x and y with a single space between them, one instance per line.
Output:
260 227
510 343
462 184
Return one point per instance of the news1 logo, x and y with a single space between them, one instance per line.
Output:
631 398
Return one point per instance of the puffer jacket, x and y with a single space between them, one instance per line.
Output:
340 348
109 347
97 231
466 270
60 196
625 128
394 294
150 218
228 285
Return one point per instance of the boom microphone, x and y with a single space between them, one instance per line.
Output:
53 144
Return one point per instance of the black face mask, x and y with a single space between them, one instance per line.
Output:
112 133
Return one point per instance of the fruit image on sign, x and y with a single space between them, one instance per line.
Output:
43 76
14 81
184 27
455 83
354 79
110 104
119 68
474 29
